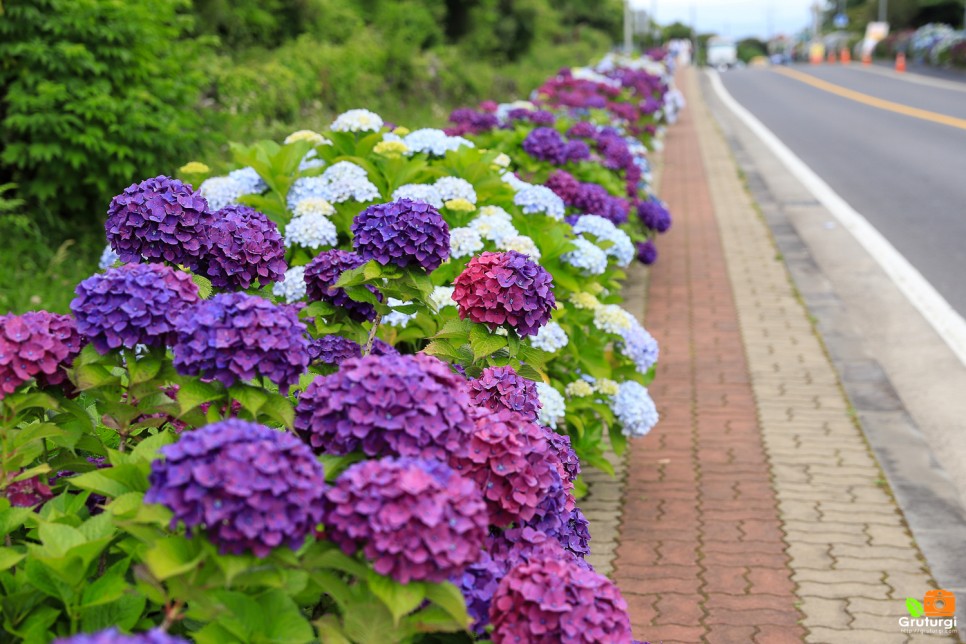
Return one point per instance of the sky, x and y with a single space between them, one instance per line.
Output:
734 18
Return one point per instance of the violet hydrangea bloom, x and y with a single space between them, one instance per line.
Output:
509 458
505 288
333 350
114 636
234 336
654 215
132 304
646 252
562 449
251 488
416 520
245 247
387 405
549 600
404 233
159 219
546 144
37 344
503 388
323 272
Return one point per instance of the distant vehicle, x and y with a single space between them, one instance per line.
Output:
722 53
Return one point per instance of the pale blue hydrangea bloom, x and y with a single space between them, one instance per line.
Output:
108 258
588 257
496 212
639 347
346 180
553 408
397 318
514 181
357 121
292 286
455 188
521 244
622 248
550 338
464 242
442 296
419 192
310 160
634 409
434 142
220 191
311 231
534 199
249 181
493 228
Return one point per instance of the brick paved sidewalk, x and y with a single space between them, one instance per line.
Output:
754 512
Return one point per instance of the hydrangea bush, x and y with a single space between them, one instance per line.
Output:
344 393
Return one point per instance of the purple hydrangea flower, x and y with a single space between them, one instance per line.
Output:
159 219
577 151
416 520
26 493
333 350
646 252
505 288
583 130
557 516
387 405
654 215
561 447
251 488
502 388
133 304
546 144
550 599
564 186
114 636
37 344
234 336
510 459
323 272
592 198
403 233
245 246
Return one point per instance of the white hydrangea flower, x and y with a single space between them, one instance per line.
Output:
310 161
248 180
622 248
310 231
550 338
419 192
553 407
521 244
588 257
108 258
397 318
579 389
494 229
442 296
292 286
464 242
496 212
455 188
314 206
357 121
307 135
220 191
611 318
434 142
502 160
607 387
514 181
634 409
585 301
534 199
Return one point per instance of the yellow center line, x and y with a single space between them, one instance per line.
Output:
882 104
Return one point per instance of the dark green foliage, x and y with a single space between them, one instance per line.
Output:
94 94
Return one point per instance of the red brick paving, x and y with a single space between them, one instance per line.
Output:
701 556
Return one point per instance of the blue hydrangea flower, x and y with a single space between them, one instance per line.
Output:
634 409
114 636
551 338
419 192
292 286
311 231
434 142
514 181
220 191
248 179
108 258
540 199
639 346
397 318
464 242
346 180
622 249
552 405
588 257
455 188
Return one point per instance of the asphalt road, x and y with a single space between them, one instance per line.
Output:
906 175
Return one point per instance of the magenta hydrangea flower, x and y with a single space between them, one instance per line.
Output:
387 405
114 636
564 185
548 600
503 388
510 459
251 488
159 219
323 272
234 336
26 493
404 233
37 344
132 304
245 247
505 288
416 520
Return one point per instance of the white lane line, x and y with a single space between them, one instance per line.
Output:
949 324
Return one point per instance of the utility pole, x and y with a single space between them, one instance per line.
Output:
883 10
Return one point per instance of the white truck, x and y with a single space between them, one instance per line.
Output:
722 53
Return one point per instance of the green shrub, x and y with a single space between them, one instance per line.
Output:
94 94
